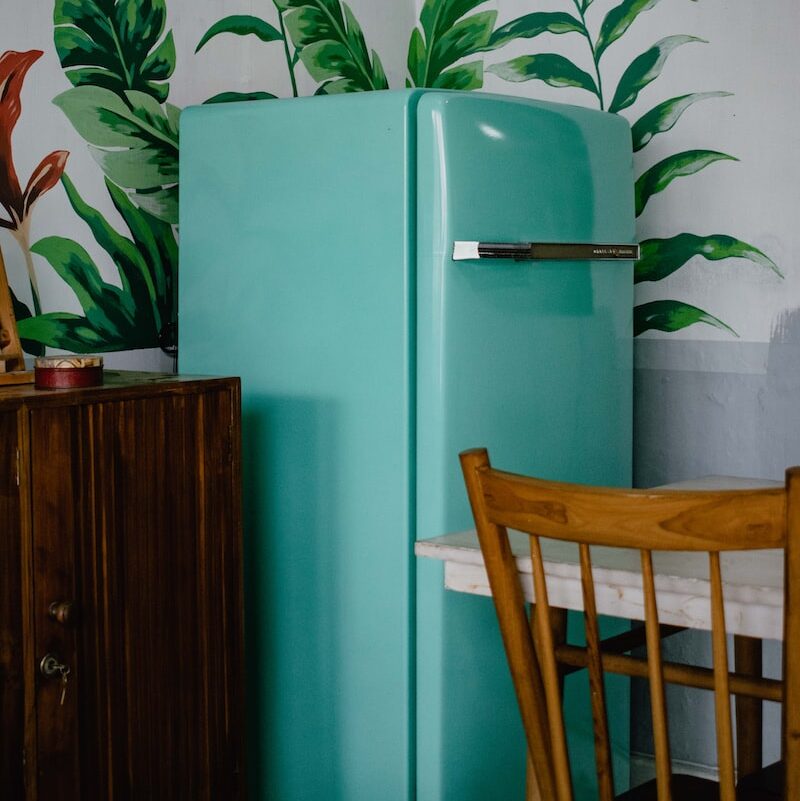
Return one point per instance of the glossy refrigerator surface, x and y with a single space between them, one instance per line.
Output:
316 244
295 248
529 359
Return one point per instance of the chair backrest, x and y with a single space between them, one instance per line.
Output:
645 520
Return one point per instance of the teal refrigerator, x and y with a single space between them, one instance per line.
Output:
397 276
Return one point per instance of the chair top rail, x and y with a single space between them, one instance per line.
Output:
680 520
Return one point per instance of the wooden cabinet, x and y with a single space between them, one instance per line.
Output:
120 556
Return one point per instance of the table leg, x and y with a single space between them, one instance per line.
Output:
749 711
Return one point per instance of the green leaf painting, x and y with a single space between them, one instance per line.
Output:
238 97
22 312
645 69
68 331
132 315
664 116
332 47
118 58
618 20
446 35
551 68
661 175
119 45
660 257
249 25
242 25
134 139
535 24
322 34
672 315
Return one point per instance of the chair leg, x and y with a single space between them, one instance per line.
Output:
749 711
531 787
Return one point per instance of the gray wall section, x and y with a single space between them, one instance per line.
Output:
704 408
691 712
712 408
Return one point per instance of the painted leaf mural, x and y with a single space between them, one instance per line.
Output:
447 50
446 35
134 139
241 25
322 34
660 257
617 21
672 315
644 69
665 115
132 315
551 68
119 59
118 56
658 177
249 25
116 44
534 24
332 47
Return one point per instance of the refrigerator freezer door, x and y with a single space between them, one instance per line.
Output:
530 359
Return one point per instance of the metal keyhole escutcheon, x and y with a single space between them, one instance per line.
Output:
51 666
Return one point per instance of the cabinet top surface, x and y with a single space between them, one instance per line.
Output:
117 385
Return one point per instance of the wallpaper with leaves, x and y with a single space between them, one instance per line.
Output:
112 278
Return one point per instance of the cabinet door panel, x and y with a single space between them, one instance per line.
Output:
136 516
11 680
157 566
58 487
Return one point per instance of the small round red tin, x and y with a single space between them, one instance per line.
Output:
61 372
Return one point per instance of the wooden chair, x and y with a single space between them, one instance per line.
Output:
711 521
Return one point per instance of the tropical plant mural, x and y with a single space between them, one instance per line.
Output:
249 25
441 50
118 57
325 37
137 314
660 257
446 51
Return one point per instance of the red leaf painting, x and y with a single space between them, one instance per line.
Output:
16 202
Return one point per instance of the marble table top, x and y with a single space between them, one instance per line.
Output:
752 580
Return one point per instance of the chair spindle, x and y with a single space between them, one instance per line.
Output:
602 747
658 704
550 675
722 693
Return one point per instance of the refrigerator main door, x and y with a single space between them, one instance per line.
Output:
295 261
530 359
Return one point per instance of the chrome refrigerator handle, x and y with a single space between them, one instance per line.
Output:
544 251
